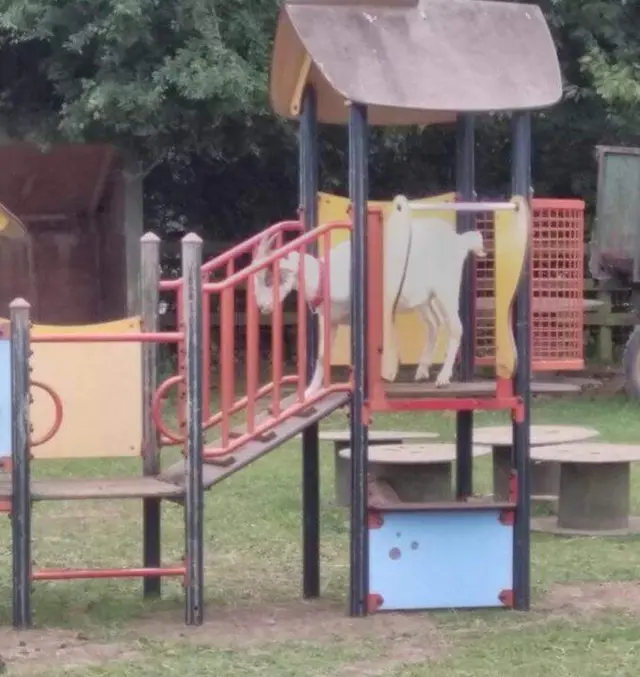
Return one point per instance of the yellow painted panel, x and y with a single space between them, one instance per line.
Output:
100 385
511 237
10 224
409 326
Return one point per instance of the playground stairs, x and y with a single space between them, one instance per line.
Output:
170 484
217 469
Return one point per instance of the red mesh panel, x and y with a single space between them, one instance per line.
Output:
558 278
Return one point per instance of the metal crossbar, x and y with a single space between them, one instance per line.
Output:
465 207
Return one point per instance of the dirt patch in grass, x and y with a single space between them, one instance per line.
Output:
401 653
29 652
403 634
592 598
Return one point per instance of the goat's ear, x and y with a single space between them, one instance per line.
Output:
400 204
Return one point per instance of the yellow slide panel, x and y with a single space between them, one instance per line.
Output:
100 385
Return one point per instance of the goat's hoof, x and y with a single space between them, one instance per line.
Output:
442 381
422 374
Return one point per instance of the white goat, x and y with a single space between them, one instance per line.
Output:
424 258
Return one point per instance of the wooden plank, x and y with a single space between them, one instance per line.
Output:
470 389
612 319
253 450
85 489
375 503
424 390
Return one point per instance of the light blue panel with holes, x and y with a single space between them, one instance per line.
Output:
5 398
441 560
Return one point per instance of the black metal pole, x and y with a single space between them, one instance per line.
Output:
151 507
465 180
194 500
358 193
308 145
521 185
20 451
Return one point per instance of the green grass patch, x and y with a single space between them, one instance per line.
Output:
255 623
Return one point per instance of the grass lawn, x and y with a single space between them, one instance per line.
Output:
585 619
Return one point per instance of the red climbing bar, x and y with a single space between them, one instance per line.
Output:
325 278
227 360
182 385
276 339
74 574
302 328
139 337
453 404
206 351
253 354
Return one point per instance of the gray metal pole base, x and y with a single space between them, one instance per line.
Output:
418 484
545 476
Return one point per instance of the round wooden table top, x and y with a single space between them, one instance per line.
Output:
501 435
345 435
413 454
593 452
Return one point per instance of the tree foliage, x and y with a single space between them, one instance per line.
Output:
184 86
159 77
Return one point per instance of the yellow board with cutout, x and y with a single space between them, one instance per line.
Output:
511 237
10 225
410 328
100 387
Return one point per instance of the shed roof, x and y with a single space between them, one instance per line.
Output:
413 61
63 179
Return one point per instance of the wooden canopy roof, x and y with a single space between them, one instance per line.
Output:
413 61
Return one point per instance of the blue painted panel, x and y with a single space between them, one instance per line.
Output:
5 398
441 560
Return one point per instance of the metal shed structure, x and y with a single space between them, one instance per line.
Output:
77 259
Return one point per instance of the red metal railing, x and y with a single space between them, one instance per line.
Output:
133 572
224 292
226 263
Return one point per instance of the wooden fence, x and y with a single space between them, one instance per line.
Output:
608 326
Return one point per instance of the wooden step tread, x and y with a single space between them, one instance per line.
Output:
260 446
479 388
95 488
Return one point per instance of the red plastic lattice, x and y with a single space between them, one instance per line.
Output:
557 286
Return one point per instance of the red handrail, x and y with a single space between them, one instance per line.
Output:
271 423
225 289
173 437
227 259
275 255
242 248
